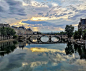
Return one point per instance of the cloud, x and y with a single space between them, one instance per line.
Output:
39 25
3 6
54 4
37 63
1 9
16 7
15 11
80 11
71 2
38 4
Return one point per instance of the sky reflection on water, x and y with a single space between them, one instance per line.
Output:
42 57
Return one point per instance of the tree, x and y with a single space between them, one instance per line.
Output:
15 36
79 33
84 34
10 32
69 49
3 31
6 31
61 33
76 35
69 30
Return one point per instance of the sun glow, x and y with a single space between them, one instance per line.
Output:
45 50
39 18
35 28
23 64
48 18
35 40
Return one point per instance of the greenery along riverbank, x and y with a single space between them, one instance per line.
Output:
69 31
6 32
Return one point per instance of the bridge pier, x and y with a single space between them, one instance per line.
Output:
38 39
50 39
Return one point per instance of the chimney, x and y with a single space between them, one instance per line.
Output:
80 19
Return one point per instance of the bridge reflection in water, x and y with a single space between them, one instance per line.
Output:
8 47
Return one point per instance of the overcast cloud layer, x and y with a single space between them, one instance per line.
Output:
42 15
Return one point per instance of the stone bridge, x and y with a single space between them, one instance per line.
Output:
37 38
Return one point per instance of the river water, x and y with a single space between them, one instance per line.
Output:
21 56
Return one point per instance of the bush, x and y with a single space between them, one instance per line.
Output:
15 36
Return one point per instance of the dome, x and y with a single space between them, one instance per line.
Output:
29 29
22 27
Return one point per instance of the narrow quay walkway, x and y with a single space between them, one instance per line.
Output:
80 42
1 41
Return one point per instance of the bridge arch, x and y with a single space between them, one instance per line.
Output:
39 37
42 38
57 38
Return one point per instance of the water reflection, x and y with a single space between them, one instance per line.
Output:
54 39
76 48
69 49
42 57
7 47
22 44
34 40
44 39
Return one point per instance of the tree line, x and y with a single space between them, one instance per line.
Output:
69 31
7 32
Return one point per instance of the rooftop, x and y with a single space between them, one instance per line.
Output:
22 27
29 29
83 21
5 25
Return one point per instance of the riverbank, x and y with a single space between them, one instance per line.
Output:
6 40
81 41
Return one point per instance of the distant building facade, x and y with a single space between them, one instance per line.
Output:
82 24
19 30
4 25
22 30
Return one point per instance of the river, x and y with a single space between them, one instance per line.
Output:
21 56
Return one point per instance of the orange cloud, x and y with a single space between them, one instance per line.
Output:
47 18
35 28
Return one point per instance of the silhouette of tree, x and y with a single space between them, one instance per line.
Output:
76 35
6 31
69 49
77 48
84 34
69 30
7 48
79 33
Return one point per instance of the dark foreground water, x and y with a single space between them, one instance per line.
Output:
42 57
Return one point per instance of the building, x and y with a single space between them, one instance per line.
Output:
21 30
29 31
4 25
82 24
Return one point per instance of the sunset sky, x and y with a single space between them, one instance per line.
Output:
42 15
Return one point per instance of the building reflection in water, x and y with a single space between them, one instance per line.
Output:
74 48
7 47
22 44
